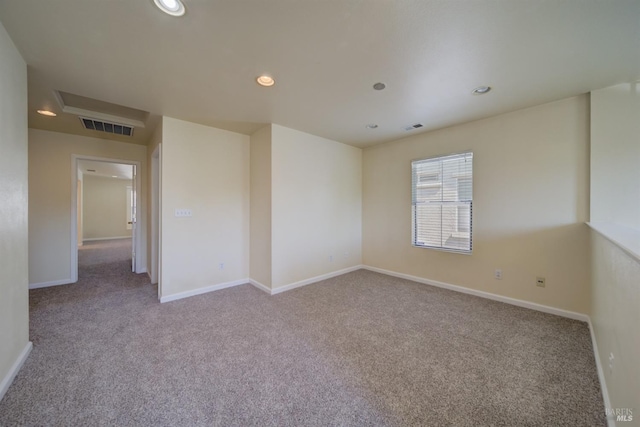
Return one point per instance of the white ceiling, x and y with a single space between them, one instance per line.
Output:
325 57
105 169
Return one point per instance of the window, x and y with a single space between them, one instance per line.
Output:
442 202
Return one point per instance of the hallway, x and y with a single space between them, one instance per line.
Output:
103 252
103 267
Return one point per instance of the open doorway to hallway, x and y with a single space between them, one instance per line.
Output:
105 213
106 253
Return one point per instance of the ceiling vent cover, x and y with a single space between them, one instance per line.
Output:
108 127
412 127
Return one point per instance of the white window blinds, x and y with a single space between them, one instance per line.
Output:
442 202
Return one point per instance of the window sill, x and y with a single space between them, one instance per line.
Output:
439 249
429 185
461 235
628 239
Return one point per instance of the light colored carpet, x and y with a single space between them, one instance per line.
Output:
360 349
103 252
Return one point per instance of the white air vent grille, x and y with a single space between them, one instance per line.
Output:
412 127
108 127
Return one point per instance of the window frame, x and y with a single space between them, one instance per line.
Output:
415 181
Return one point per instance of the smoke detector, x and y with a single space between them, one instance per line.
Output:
414 126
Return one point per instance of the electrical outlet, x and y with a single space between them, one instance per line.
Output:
221 266
611 360
330 258
540 282
498 274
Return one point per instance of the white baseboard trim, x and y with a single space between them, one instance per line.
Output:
49 284
204 290
95 239
260 286
142 271
8 379
315 279
603 385
482 294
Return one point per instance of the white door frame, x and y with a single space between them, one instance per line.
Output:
139 267
155 214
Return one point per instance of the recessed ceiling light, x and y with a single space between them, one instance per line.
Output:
379 86
114 176
47 113
265 81
171 7
481 90
371 126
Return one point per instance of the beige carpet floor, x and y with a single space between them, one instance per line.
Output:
361 349
102 252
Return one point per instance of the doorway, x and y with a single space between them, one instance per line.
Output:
154 272
106 196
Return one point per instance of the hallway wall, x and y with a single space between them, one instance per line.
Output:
105 207
14 306
206 170
50 171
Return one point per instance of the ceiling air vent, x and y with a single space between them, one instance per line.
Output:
102 126
412 127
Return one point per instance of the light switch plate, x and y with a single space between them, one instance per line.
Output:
183 213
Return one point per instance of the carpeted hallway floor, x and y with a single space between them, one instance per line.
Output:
103 252
360 349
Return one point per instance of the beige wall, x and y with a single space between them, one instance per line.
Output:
14 305
206 170
316 206
50 157
260 257
105 207
615 155
615 317
615 200
530 200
